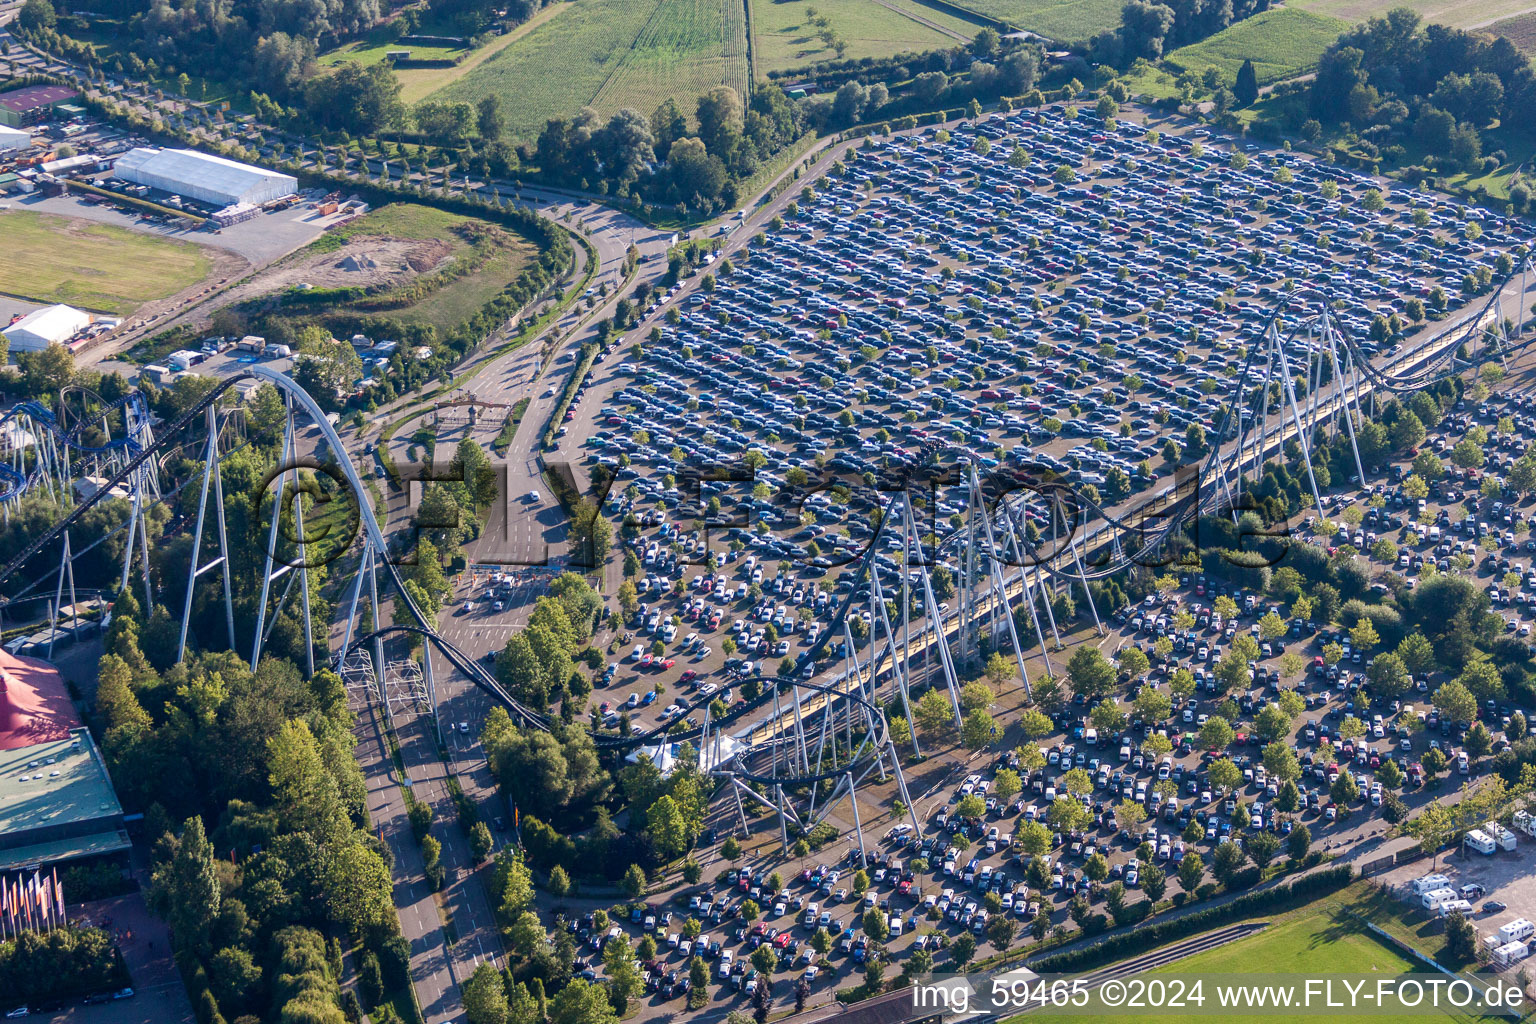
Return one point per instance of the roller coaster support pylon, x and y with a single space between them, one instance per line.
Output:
211 476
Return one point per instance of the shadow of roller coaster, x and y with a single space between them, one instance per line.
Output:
793 751
1474 340
785 751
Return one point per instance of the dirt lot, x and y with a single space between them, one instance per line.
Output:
1506 876
363 261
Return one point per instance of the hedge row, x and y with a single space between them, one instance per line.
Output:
1118 947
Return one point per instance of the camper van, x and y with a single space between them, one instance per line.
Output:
1437 898
1478 840
1429 883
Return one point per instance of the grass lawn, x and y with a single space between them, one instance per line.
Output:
785 38
1067 21
500 259
100 267
1282 43
1457 13
416 84
372 47
1316 940
611 54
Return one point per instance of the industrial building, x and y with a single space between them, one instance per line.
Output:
33 104
50 325
56 799
13 138
203 176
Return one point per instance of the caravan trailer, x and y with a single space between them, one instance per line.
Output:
1478 840
1509 954
1503 837
1518 930
1438 898
1429 883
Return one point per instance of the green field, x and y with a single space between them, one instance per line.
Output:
1067 21
499 257
611 54
371 48
785 37
1282 43
99 267
1457 13
416 84
1315 940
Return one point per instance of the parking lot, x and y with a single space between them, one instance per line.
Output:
899 312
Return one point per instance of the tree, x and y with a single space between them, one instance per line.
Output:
1280 761
978 729
1191 870
37 15
1263 847
1091 674
185 890
1298 842
1455 701
1151 705
1246 90
1433 762
485 997
489 118
1006 785
1460 938
1216 733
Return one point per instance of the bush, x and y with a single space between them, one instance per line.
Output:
1117 947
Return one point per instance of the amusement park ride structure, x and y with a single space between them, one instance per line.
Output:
812 738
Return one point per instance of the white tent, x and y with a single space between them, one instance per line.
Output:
43 327
203 176
14 138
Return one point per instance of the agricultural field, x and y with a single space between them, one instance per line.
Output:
408 257
1456 13
1282 43
1520 30
416 84
784 36
99 267
1316 940
611 54
1066 21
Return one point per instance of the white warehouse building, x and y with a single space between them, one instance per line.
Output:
203 176
47 326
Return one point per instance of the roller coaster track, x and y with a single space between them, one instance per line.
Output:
766 738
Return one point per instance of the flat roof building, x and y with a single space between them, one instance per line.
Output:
203 176
33 104
47 326
56 799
